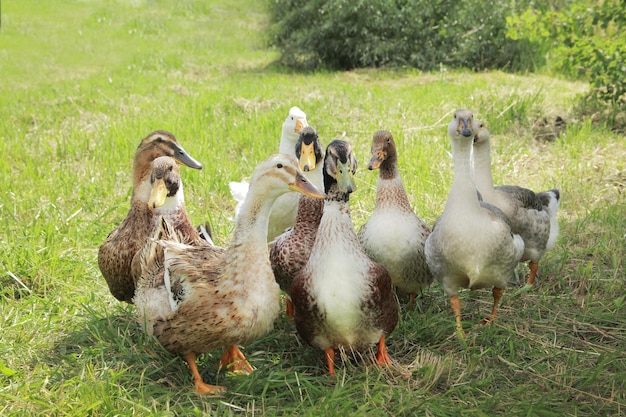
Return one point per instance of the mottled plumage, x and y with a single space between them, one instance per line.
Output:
532 215
116 254
212 297
393 235
342 298
471 245
291 250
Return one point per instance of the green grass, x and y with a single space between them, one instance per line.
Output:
84 81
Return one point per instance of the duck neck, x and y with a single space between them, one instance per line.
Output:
482 169
390 190
252 221
316 176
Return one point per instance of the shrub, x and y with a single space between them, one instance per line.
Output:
586 41
347 34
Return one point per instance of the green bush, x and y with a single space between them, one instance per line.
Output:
585 40
347 34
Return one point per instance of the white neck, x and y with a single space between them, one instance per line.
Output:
173 203
316 176
252 221
482 170
462 195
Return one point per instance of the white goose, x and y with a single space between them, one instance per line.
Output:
532 216
471 245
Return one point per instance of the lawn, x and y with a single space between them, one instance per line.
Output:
83 81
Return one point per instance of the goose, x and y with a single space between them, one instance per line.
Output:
532 215
115 255
292 248
471 245
342 298
209 297
394 236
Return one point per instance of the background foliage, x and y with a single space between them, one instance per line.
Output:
346 34
582 39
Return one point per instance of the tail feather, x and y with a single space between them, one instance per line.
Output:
238 190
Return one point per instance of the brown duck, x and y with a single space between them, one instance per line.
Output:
291 250
393 235
116 254
342 298
211 297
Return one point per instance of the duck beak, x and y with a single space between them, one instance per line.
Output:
307 157
184 158
345 181
304 186
300 124
377 158
158 195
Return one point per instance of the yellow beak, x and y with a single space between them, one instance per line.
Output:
158 195
307 157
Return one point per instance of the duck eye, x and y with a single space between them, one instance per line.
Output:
279 165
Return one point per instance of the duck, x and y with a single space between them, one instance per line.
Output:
284 213
533 216
167 202
292 248
115 255
472 244
211 297
394 235
342 298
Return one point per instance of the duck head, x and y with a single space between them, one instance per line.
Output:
339 167
165 181
383 149
309 149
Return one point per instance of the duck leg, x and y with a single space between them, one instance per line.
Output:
233 360
330 359
455 305
534 266
382 356
412 300
201 386
497 295
290 311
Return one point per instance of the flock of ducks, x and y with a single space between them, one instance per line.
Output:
293 232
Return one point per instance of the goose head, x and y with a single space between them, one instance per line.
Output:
165 181
482 135
462 125
339 167
292 126
309 149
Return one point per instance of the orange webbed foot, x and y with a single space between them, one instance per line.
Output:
382 356
233 360
202 388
